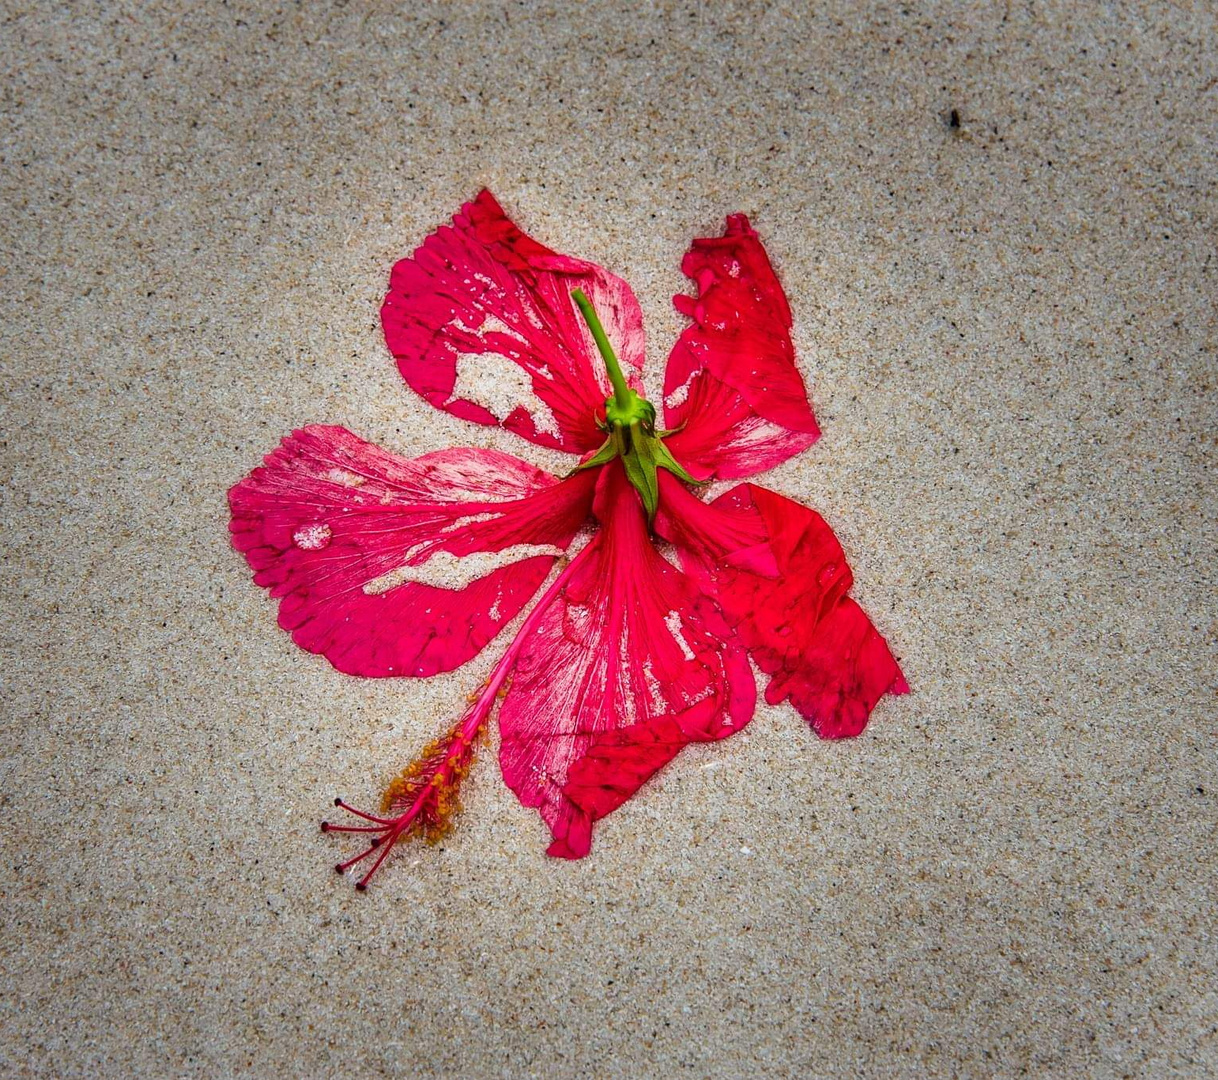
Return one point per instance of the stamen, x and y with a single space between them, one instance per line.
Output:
426 791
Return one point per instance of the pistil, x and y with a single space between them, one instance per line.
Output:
426 791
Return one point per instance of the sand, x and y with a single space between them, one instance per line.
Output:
1008 334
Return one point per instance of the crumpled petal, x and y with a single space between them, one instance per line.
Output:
628 664
794 616
731 378
481 322
386 565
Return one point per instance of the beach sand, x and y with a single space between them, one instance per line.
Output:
1008 334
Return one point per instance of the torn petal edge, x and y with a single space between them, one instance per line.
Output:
480 287
731 384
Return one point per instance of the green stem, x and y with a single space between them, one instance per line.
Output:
620 390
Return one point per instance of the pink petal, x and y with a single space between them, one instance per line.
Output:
845 668
798 624
341 531
707 534
629 664
731 377
482 324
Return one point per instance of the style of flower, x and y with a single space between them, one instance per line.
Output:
407 568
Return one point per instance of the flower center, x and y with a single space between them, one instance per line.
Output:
630 421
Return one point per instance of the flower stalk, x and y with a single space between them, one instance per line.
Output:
630 420
620 390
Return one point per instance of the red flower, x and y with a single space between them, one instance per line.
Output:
403 567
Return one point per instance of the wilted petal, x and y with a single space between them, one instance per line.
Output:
629 663
481 322
844 668
797 622
394 566
731 378
710 534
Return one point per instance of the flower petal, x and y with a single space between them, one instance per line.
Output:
384 564
798 624
844 668
731 378
630 663
481 322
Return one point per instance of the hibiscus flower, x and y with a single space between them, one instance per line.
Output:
391 567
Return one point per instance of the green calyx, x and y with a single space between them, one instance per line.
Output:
634 410
630 421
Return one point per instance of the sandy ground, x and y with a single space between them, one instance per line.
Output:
1007 329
